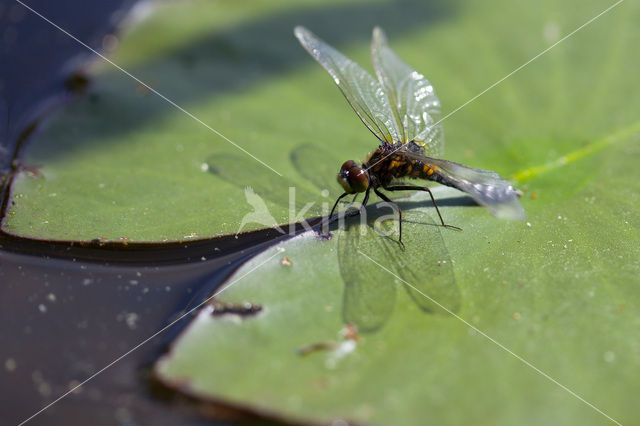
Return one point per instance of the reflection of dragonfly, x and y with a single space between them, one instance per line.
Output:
401 108
369 295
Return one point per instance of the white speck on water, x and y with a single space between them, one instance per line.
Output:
131 319
123 416
204 167
609 356
44 389
10 364
42 308
74 386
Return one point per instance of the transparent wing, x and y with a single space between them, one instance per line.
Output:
413 101
487 188
362 91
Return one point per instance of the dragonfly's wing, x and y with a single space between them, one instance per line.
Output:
369 293
362 91
370 290
487 188
413 101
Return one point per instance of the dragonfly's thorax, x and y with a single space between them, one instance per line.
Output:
390 162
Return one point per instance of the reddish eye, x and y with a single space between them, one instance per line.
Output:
352 178
348 165
356 174
358 179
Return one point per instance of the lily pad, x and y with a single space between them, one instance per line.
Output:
125 164
559 295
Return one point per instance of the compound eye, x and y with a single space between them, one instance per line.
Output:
348 165
358 179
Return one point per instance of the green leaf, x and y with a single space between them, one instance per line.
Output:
559 291
538 323
125 164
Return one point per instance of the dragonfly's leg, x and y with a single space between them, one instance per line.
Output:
422 188
336 205
350 213
364 204
330 219
388 200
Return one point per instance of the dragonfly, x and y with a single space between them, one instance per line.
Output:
369 298
401 109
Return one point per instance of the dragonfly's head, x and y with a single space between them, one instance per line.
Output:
352 178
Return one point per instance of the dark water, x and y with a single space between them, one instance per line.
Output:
64 319
38 61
